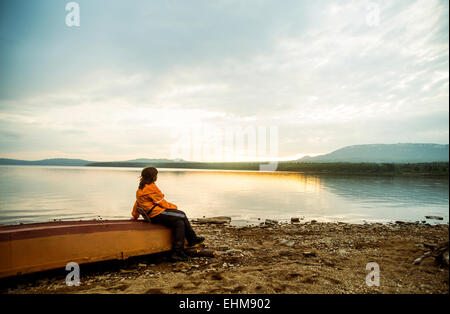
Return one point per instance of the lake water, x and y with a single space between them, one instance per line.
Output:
36 194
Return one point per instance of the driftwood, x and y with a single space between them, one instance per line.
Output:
200 252
440 252
214 220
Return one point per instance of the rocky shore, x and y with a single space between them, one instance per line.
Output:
296 257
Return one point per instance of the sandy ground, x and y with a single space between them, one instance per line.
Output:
285 258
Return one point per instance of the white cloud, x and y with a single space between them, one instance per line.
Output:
325 82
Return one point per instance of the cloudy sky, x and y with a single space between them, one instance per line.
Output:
137 76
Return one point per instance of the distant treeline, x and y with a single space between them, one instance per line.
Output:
432 168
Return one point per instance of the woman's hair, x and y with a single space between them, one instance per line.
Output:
148 176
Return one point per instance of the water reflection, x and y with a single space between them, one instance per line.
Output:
414 191
30 193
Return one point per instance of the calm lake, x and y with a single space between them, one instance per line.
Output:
37 193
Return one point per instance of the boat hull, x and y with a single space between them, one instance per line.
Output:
43 246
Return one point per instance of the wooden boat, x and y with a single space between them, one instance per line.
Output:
37 247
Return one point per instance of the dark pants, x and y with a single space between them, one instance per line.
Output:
179 223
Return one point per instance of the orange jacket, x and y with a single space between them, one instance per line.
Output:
149 196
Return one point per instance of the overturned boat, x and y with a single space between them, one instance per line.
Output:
37 247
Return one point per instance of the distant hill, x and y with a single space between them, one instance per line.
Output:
385 153
45 162
370 153
76 162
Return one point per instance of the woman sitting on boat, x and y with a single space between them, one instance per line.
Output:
150 203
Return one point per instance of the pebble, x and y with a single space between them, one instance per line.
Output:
288 243
125 271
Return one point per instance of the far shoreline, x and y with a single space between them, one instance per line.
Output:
430 169
440 169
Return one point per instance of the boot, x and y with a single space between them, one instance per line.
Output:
196 240
178 255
